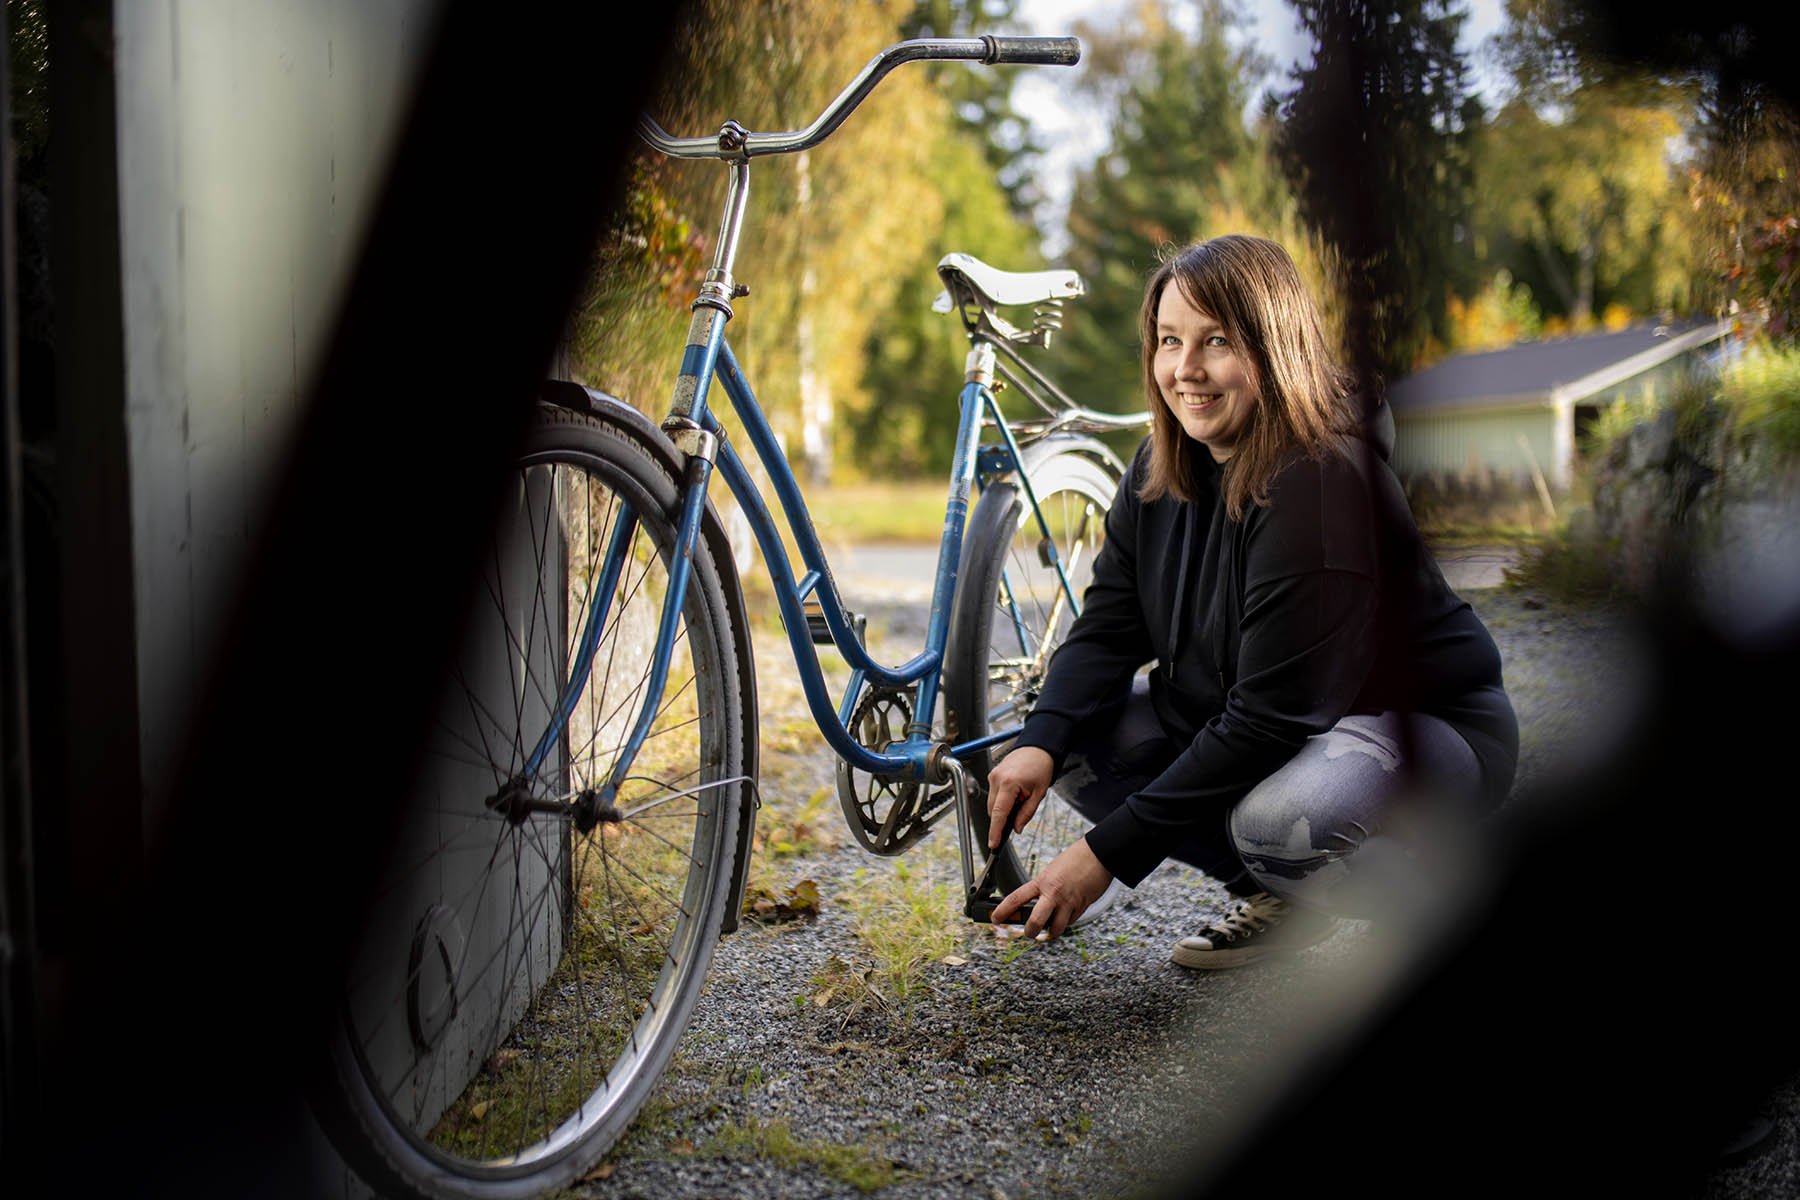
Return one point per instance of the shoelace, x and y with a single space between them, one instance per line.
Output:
1251 916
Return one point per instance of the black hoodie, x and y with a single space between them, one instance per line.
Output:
1265 632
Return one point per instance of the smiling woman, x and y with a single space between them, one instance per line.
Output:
1313 673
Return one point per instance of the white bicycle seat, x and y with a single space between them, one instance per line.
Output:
998 287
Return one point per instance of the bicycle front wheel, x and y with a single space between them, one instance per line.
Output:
1012 612
530 960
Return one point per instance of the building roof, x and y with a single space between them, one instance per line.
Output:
1534 374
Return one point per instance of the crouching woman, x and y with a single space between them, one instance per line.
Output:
1312 674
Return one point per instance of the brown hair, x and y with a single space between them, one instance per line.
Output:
1250 287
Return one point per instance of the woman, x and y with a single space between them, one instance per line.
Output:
1313 672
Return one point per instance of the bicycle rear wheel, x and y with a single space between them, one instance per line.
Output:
523 979
1011 614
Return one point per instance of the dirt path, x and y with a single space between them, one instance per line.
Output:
994 1068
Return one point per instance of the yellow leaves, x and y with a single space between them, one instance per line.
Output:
801 900
804 896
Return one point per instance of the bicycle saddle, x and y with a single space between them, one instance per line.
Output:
967 277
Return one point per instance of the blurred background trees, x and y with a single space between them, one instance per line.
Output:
1576 193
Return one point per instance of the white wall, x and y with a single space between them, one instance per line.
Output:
252 141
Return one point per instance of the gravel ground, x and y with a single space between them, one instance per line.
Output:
1011 1069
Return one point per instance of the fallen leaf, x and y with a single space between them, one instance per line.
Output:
603 1171
823 998
953 960
804 895
479 1109
681 1146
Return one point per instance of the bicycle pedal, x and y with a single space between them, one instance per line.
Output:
820 632
981 910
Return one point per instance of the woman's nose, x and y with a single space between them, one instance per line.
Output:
1190 365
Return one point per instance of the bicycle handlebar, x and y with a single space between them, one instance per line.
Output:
733 142
1048 51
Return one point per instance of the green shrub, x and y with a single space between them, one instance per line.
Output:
1570 568
1762 390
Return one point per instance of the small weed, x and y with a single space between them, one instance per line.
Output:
906 919
1012 948
1091 953
836 981
774 1142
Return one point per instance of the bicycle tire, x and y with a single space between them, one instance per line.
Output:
523 983
994 664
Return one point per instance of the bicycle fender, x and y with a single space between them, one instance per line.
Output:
563 393
1073 443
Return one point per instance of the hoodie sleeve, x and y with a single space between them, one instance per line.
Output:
1305 645
1107 643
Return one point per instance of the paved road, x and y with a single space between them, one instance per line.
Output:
903 572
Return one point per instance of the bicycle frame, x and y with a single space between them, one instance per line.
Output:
910 758
697 433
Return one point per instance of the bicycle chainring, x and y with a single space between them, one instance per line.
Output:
887 814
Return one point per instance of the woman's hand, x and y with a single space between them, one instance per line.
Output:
1063 890
1016 786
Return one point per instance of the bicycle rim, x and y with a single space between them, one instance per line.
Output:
523 981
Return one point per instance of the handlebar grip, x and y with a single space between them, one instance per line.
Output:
1049 51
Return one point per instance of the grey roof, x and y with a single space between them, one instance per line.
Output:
1538 373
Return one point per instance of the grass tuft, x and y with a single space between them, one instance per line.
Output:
775 1142
1568 570
906 919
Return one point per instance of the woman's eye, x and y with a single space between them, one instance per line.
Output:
1217 339
1170 339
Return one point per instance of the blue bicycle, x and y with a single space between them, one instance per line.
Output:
584 822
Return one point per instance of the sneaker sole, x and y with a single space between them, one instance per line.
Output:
1216 960
1240 956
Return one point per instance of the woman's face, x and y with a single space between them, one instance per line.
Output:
1201 375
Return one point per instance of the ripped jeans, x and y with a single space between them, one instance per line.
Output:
1301 832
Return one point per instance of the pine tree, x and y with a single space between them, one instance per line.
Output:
1376 145
1182 165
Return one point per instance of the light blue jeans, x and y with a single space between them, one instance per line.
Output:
1351 795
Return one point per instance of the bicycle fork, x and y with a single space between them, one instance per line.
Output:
518 798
